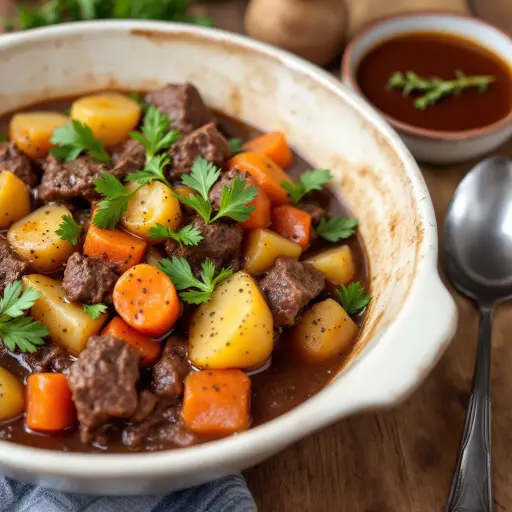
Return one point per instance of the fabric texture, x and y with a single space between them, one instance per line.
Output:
229 494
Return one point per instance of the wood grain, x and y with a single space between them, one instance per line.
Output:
399 460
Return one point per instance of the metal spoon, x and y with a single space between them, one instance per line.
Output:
478 258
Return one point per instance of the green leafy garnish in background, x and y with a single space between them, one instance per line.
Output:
435 88
235 146
60 11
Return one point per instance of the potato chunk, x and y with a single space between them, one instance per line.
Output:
111 116
263 247
12 396
234 329
34 238
324 330
12 210
152 204
32 131
69 325
337 265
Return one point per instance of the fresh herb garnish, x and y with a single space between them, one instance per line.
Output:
94 310
234 199
75 138
17 330
235 146
353 297
153 170
4 137
336 228
135 96
69 230
59 11
310 180
187 235
179 272
117 197
155 135
436 88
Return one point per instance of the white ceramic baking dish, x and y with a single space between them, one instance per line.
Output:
412 316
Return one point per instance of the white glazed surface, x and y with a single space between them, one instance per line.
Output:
427 145
412 317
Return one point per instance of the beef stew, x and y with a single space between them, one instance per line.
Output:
180 276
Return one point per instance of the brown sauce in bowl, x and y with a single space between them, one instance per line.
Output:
440 55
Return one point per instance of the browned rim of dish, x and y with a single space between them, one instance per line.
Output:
349 76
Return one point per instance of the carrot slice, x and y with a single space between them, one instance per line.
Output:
149 350
146 300
292 223
273 145
114 246
267 174
49 403
216 402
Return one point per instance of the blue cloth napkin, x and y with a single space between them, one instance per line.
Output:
229 494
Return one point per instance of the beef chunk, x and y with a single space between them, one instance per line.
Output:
102 382
64 181
316 212
170 372
160 429
48 358
147 403
226 179
11 267
221 243
183 105
13 160
88 280
128 157
206 142
288 287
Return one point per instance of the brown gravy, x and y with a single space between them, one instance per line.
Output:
435 54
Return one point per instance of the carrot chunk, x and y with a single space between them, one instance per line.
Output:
260 217
49 404
216 402
114 246
273 145
266 173
146 300
292 223
149 350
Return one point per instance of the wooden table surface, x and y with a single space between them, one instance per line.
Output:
399 460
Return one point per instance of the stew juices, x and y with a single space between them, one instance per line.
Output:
171 276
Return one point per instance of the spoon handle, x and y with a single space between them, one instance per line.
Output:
471 485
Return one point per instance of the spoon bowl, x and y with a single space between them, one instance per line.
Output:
478 233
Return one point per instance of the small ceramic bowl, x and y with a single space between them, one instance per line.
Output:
436 146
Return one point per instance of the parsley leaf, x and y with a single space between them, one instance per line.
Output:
94 310
353 298
4 137
117 196
16 330
179 272
69 230
310 180
235 146
187 235
337 228
74 138
234 199
155 135
153 170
